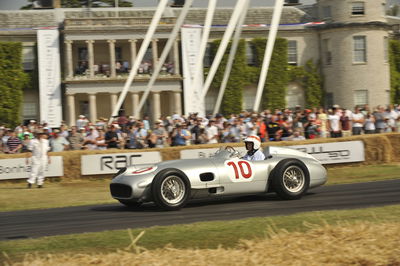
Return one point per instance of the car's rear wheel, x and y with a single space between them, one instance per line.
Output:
131 204
290 179
170 189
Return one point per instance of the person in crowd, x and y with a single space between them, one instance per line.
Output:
75 139
58 142
212 132
253 145
334 125
26 142
379 116
358 120
160 134
82 121
111 138
100 140
39 159
179 136
90 139
14 144
369 124
323 121
296 136
346 123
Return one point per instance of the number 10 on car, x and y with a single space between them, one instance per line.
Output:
239 170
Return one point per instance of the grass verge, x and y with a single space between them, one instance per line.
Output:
203 235
15 196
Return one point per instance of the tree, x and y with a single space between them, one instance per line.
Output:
394 59
85 3
13 79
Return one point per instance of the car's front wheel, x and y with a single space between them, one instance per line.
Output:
290 179
170 189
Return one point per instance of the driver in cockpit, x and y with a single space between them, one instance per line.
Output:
253 145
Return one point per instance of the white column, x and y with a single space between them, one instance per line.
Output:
154 50
133 52
71 109
177 65
177 102
113 100
68 59
111 46
92 107
156 105
90 57
135 104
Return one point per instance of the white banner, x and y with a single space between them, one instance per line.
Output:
17 168
193 101
334 152
49 76
100 164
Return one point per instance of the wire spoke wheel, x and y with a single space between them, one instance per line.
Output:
173 189
293 179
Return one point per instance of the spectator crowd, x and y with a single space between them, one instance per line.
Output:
269 125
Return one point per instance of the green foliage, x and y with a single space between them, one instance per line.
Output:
277 79
82 3
13 79
394 59
233 97
309 78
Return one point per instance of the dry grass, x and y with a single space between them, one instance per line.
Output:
361 243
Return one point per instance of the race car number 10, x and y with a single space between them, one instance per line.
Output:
242 171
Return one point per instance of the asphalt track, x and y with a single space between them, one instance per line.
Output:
93 218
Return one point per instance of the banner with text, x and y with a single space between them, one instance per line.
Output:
17 168
99 164
326 153
49 76
193 100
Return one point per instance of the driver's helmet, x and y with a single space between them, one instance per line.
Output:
255 140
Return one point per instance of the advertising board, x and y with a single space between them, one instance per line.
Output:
99 164
18 169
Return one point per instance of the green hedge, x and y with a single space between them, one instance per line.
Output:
394 59
13 79
279 74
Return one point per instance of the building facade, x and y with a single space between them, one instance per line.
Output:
99 46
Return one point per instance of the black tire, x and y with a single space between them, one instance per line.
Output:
166 198
286 186
130 204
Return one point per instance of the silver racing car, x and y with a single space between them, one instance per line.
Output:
170 184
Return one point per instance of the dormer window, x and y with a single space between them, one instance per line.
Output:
358 8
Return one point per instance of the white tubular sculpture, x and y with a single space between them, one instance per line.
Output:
204 40
224 44
152 28
231 58
165 52
268 52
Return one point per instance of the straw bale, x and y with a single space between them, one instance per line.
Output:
363 243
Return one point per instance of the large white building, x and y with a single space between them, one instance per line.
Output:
351 48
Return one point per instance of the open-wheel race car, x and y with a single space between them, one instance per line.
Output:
171 184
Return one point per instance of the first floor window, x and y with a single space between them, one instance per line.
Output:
28 57
292 53
360 97
358 8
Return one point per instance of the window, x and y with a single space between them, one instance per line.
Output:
326 48
386 48
360 49
250 54
360 97
326 12
358 8
29 110
207 56
28 57
292 53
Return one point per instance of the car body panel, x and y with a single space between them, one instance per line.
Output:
224 174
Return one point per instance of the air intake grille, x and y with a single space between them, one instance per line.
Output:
120 191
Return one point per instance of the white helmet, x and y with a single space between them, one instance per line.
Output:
255 140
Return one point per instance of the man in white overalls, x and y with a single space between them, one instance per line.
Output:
38 148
